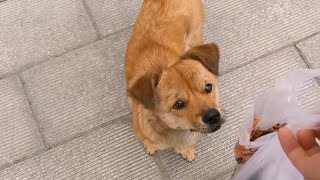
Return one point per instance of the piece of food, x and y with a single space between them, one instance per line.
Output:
241 153
256 133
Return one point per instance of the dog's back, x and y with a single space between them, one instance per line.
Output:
164 30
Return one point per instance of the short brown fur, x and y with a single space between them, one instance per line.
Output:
166 61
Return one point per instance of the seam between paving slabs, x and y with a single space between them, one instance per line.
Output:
38 123
222 173
93 21
17 161
272 52
89 131
302 56
84 133
304 59
39 130
32 65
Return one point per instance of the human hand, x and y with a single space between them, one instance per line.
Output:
303 152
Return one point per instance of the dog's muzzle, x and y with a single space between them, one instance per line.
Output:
212 118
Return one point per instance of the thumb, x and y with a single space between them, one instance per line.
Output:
291 147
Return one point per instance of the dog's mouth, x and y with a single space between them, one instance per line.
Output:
208 130
216 128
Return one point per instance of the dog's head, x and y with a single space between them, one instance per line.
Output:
184 96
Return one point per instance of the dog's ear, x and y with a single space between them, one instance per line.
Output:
144 89
207 54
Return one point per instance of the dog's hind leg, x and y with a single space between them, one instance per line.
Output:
194 37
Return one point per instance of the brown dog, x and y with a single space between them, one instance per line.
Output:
171 77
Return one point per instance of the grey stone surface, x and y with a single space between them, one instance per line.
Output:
19 136
237 169
238 90
225 176
311 50
79 90
111 152
35 30
113 15
244 29
247 29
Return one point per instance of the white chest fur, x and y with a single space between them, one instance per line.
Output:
189 138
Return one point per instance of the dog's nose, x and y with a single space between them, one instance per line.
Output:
211 116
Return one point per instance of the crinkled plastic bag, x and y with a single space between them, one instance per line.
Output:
265 158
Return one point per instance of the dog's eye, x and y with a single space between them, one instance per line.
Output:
208 88
178 105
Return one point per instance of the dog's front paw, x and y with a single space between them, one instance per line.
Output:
150 149
188 154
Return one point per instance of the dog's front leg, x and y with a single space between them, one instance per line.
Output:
149 147
187 152
184 143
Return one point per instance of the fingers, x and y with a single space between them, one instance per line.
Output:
306 139
291 147
287 140
317 133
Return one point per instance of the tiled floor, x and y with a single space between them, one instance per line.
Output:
63 111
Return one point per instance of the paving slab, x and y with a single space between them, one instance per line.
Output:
114 15
18 130
311 50
244 29
79 90
238 90
247 29
34 30
111 152
225 176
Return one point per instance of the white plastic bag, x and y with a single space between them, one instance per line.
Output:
278 105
